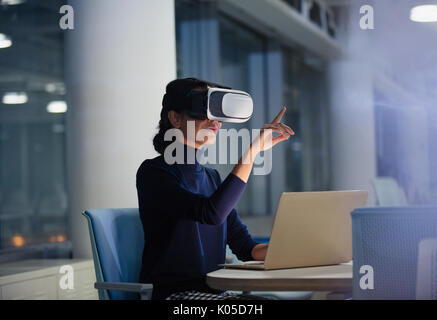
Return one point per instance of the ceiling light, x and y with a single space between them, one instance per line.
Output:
424 13
57 107
11 2
5 41
55 88
14 98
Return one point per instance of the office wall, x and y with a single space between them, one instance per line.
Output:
119 58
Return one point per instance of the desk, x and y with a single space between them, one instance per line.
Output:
336 278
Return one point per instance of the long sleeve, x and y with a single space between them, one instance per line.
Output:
239 239
175 201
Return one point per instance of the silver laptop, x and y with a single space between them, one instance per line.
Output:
310 229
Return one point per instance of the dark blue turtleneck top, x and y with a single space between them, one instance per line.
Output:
188 217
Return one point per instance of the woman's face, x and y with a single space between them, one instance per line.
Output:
205 131
197 133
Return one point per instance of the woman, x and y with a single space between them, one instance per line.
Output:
186 210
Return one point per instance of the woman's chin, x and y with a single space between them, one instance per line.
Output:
208 141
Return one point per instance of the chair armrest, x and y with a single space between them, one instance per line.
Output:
144 289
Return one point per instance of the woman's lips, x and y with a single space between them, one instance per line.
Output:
213 129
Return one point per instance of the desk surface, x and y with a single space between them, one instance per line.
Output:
325 278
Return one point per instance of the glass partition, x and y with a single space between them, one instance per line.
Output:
216 47
33 196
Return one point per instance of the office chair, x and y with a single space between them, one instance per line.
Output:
117 242
426 286
388 192
386 248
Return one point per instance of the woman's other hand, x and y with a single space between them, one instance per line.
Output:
259 251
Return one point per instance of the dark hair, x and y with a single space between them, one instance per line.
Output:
164 124
176 92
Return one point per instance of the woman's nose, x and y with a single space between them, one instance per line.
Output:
216 123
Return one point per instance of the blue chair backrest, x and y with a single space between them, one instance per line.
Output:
387 239
117 241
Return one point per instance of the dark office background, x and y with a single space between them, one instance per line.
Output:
213 42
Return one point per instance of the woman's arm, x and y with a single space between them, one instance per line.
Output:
160 192
241 243
263 142
238 237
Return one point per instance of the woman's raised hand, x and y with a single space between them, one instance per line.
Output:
265 139
262 142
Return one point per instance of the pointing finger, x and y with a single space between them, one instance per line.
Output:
279 116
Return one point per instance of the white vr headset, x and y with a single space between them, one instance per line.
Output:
219 104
